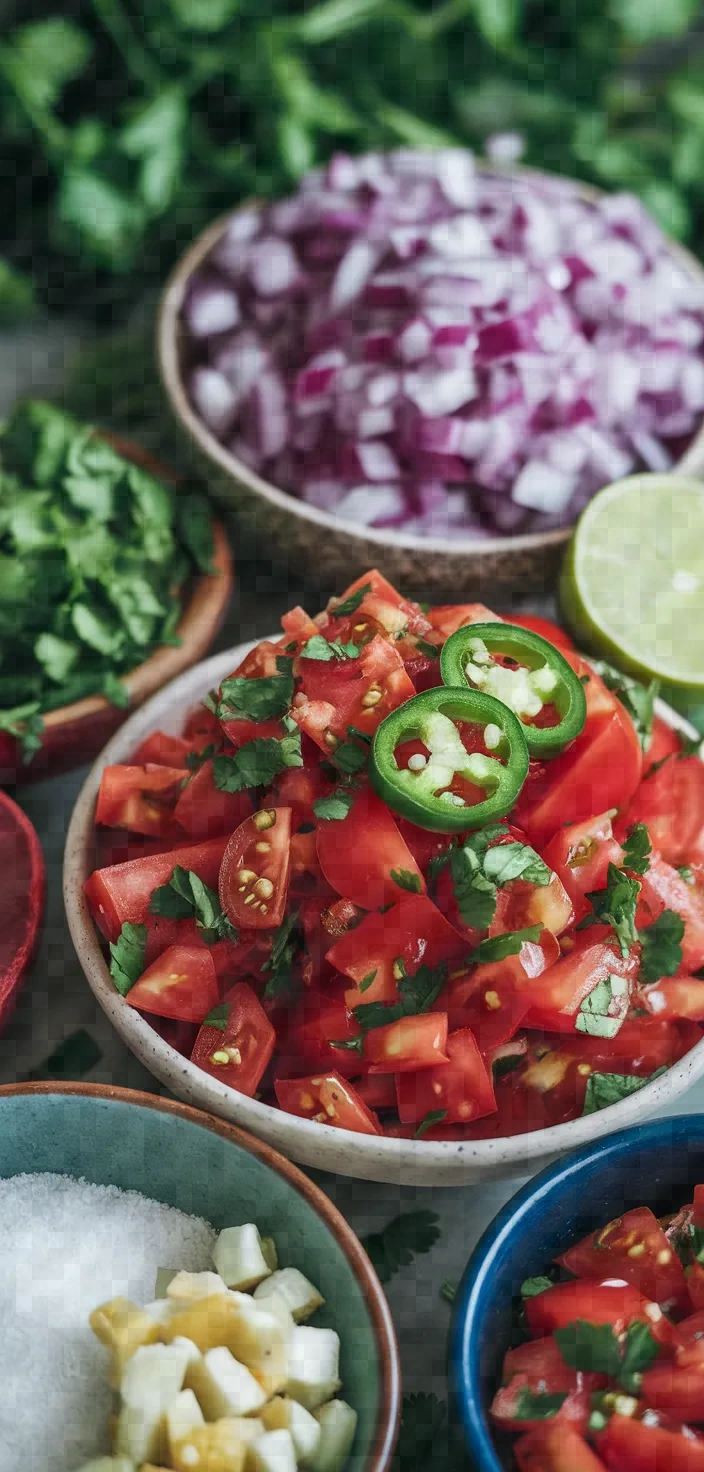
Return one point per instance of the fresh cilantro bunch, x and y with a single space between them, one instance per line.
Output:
93 554
127 127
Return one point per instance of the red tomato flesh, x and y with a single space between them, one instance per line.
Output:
122 892
238 1054
358 853
461 1088
181 984
410 1043
328 1099
630 1445
634 1247
140 799
255 870
555 1448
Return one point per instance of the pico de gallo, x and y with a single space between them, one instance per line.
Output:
412 871
607 1371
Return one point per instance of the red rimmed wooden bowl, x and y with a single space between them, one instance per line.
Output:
21 901
203 1166
75 733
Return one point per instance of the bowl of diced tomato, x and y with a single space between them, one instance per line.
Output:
577 1342
409 892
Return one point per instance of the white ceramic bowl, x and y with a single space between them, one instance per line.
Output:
367 1157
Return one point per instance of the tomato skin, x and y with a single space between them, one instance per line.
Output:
140 799
378 1090
629 1445
329 1100
357 854
493 998
543 626
663 888
574 1409
162 750
243 853
580 854
202 729
406 1045
670 801
557 1000
609 1253
305 1041
122 892
298 788
298 625
555 1448
462 1087
664 742
335 691
423 845
677 1391
241 730
689 1341
413 931
203 810
596 1303
447 618
249 1031
675 996
181 983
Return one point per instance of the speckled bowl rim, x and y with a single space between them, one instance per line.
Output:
169 339
368 1157
389 1413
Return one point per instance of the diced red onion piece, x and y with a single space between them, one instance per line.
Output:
440 393
414 342
353 273
373 460
273 267
505 148
211 308
651 451
373 423
214 399
542 487
368 505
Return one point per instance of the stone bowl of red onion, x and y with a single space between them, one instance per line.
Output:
431 365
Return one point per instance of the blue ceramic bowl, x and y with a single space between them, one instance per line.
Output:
655 1164
203 1166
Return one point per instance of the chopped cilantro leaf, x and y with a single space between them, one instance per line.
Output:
186 896
219 1017
261 699
358 735
350 605
601 1012
638 699
592 1348
319 648
406 880
73 1058
507 861
367 980
285 947
350 758
431 651
25 723
637 849
436 1116
196 759
396 1245
498 947
335 807
686 873
127 956
605 1089
661 949
416 994
537 1407
257 763
448 1290
531 1287
615 906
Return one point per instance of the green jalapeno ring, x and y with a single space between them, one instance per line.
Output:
534 654
429 716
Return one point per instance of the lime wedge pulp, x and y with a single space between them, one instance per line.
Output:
632 584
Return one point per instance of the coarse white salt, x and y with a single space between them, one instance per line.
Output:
66 1247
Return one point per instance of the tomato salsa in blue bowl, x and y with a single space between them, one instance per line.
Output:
656 1165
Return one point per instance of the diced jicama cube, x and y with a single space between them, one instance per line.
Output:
313 1366
182 1415
284 1414
223 1386
238 1257
124 1328
338 1423
187 1287
255 1337
269 1253
301 1296
110 1464
272 1452
219 1447
152 1379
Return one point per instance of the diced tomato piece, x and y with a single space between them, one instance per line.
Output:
689 1342
254 875
378 1090
633 1247
631 1445
377 584
423 671
695 1285
670 801
181 983
413 932
314 1024
298 788
423 845
643 1045
664 742
412 1042
259 662
675 996
600 770
581 853
679 1392
555 1447
557 1001
663 888
141 799
618 1304
329 1100
202 729
351 692
506 1405
238 1054
544 627
298 626
241 730
203 810
448 618
122 892
358 854
462 1087
162 749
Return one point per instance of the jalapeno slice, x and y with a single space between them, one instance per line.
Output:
421 791
535 678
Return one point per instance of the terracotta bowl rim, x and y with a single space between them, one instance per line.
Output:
168 342
388 1417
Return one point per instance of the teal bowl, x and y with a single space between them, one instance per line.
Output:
203 1166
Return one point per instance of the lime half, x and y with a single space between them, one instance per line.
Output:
632 585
